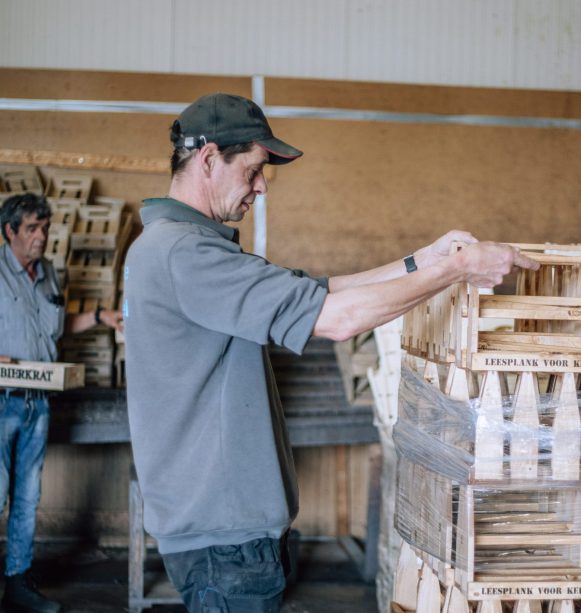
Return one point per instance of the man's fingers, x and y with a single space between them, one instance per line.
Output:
463 237
525 262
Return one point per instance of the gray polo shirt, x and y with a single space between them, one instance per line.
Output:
30 321
209 438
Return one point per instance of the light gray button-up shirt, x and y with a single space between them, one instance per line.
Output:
31 320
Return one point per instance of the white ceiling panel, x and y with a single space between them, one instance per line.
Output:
106 35
418 41
495 43
302 38
547 44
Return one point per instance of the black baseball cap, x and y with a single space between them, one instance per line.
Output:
226 119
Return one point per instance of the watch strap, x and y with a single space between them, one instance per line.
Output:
98 314
410 263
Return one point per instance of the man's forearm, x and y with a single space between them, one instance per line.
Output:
360 308
375 275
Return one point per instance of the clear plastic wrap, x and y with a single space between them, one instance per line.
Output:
443 434
523 519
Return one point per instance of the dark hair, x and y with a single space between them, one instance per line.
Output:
181 155
17 207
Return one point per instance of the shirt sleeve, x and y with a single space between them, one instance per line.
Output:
221 288
322 281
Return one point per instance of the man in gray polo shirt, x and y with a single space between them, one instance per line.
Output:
32 319
208 432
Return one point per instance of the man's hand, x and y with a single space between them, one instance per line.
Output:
431 254
485 264
112 319
4 359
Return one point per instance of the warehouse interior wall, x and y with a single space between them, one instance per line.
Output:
364 193
532 44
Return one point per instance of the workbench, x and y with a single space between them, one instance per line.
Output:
317 414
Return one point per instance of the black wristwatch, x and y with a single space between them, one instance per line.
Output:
98 314
410 263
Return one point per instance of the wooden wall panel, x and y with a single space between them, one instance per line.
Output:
364 193
103 85
399 98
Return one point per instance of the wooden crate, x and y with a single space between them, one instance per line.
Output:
510 528
120 366
85 298
64 211
89 355
99 375
18 180
100 267
58 245
70 186
355 357
97 227
42 375
108 201
544 316
93 338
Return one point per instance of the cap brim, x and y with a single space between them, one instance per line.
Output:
279 151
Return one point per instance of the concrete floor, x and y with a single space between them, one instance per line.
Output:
94 580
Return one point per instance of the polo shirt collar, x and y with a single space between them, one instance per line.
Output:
169 208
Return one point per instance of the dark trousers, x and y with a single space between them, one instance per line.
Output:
247 578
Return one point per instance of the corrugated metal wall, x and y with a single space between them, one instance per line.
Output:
494 43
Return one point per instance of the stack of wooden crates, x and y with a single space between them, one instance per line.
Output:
87 241
488 438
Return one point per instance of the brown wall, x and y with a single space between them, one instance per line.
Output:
363 193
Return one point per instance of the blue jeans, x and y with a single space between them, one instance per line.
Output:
23 435
247 578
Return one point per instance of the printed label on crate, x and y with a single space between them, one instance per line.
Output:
521 362
526 591
25 374
42 375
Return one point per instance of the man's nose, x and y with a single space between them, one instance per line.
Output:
260 184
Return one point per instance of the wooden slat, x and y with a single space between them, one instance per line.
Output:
521 341
531 307
89 161
530 540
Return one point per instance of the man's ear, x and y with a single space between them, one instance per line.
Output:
9 231
208 155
